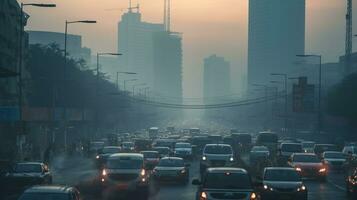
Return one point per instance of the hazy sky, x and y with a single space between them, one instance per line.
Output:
208 27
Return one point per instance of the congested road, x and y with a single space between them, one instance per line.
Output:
81 171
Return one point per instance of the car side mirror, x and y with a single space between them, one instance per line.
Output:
196 182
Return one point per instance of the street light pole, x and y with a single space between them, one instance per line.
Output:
20 62
65 73
319 116
285 76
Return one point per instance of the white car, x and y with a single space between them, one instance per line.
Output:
334 159
183 150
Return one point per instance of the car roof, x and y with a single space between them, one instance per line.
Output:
290 143
161 147
304 154
171 158
110 147
333 152
226 169
132 155
149 152
29 163
280 168
221 145
49 189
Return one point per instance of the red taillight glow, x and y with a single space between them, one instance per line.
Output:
203 196
253 196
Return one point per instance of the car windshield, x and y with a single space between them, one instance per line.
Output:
125 163
282 175
218 149
27 168
291 148
335 155
227 181
260 149
306 158
183 145
45 196
308 145
171 163
111 150
150 154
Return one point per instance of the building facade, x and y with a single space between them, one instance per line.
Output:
276 36
216 79
74 43
168 66
135 42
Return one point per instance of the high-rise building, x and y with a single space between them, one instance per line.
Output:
168 65
276 36
216 79
135 42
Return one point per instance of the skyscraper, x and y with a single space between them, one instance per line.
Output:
168 65
276 36
135 42
216 79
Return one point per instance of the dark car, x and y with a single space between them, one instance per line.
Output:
125 173
283 183
225 183
351 184
308 165
51 192
28 174
172 169
102 156
142 145
163 151
151 159
319 149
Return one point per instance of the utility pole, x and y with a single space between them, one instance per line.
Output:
348 42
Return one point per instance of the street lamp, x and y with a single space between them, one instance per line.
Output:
65 67
130 80
285 76
142 84
127 73
21 49
319 100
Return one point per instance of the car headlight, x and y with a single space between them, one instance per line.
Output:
298 169
97 157
268 188
104 172
142 173
231 159
301 188
322 170
204 158
183 171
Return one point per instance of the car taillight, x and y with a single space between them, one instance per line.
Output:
203 196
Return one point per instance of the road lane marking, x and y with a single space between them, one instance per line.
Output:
337 186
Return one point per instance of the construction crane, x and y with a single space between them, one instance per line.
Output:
348 42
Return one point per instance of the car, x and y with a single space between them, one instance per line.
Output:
283 183
334 160
172 169
287 149
350 149
96 146
102 156
319 149
308 165
142 144
225 183
51 192
128 147
125 172
216 155
308 146
351 183
163 151
183 150
151 159
30 173
257 153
